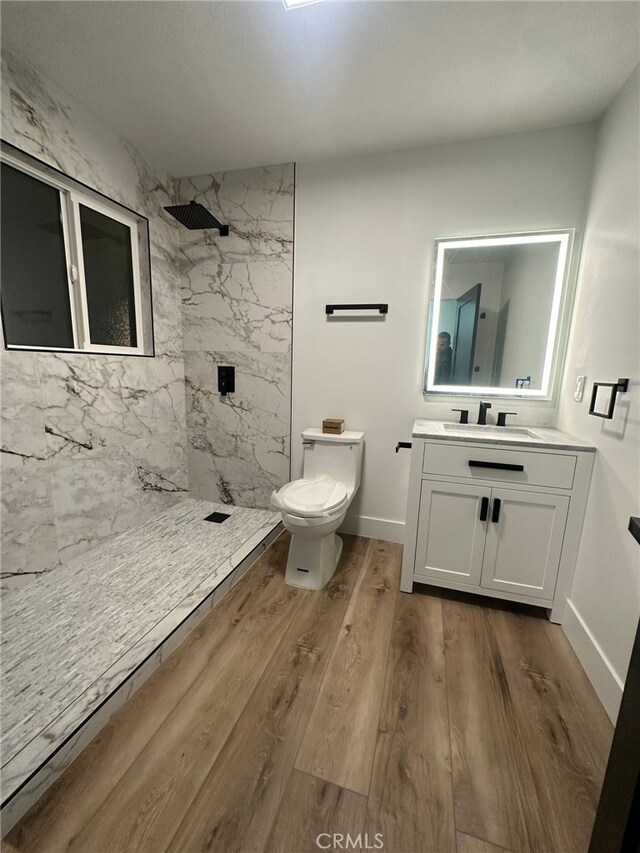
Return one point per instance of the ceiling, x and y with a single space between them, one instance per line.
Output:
207 86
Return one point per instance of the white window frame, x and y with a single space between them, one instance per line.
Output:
70 201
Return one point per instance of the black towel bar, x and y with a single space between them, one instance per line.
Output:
404 444
619 387
382 307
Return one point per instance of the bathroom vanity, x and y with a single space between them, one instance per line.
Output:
496 511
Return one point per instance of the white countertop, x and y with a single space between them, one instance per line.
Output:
542 437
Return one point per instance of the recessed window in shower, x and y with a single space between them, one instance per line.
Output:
75 265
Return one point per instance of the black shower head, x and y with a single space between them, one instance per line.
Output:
196 217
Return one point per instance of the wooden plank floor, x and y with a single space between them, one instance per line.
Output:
436 722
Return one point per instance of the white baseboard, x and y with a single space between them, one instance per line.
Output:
374 528
606 681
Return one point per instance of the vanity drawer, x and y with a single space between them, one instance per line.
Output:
517 465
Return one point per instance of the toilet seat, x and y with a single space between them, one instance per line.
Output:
311 497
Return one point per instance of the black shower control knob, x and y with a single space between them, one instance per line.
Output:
226 379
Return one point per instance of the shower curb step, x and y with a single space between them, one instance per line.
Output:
29 791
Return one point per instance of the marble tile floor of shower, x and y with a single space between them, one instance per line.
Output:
290 720
77 642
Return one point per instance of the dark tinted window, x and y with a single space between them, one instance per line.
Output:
34 285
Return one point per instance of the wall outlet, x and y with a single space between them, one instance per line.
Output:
579 392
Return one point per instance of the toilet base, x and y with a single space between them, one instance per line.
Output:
312 562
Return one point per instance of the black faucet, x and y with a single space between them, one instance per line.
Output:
482 414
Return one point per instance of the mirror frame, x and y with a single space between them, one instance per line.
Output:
559 321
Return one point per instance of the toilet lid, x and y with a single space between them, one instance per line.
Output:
312 496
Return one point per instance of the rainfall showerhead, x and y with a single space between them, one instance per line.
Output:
196 217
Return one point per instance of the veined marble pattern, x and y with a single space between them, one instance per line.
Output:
97 499
29 547
238 444
244 307
28 530
258 206
92 444
72 636
109 401
237 310
22 410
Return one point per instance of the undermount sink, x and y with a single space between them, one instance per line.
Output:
480 429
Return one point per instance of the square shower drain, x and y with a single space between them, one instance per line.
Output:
218 517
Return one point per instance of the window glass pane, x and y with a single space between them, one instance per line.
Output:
35 289
108 270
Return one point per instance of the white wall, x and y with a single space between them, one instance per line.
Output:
364 233
605 600
529 277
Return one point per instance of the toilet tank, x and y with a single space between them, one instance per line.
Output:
339 456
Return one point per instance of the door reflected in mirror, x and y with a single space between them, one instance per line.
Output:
495 314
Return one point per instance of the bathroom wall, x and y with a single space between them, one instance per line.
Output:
605 345
91 444
364 233
529 308
237 306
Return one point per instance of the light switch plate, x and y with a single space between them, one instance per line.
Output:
579 392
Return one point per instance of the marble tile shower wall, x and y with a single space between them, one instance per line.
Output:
237 310
92 445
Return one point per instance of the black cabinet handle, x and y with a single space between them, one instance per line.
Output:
484 509
495 517
503 466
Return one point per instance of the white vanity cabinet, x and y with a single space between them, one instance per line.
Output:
494 516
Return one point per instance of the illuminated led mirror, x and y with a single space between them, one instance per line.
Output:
498 314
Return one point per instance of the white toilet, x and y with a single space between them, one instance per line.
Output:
314 507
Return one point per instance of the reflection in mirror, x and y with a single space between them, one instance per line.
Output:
494 314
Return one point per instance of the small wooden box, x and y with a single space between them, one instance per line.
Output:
333 426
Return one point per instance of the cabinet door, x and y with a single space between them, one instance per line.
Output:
450 533
523 547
